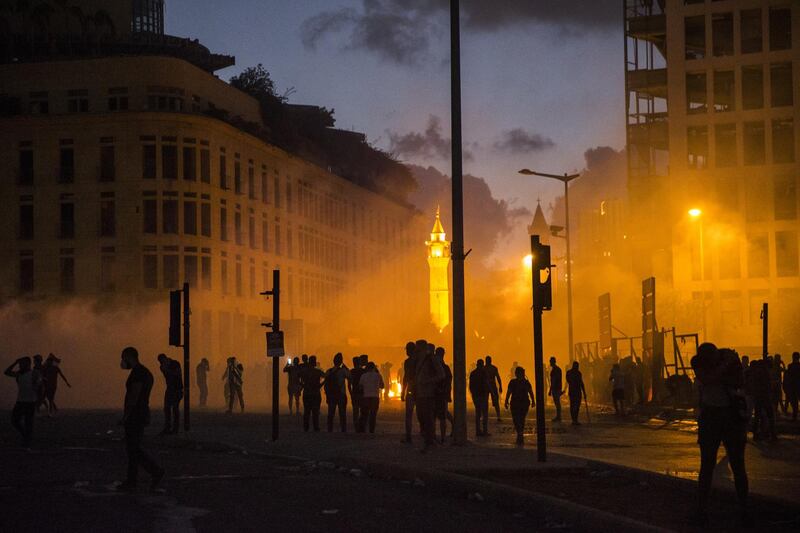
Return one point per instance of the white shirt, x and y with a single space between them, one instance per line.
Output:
371 383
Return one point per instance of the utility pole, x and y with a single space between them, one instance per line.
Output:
765 330
457 246
542 300
275 348
186 359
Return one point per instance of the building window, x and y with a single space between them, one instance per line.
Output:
149 161
165 99
696 95
67 221
277 239
205 219
752 35
754 140
725 145
237 177
781 81
289 243
251 232
26 275
171 275
252 281
108 218
238 279
237 226
753 87
190 218
276 192
223 173
169 215
190 273
785 197
786 253
107 283
724 91
758 256
150 216
205 272
722 34
729 259
169 162
264 188
150 271
26 222
78 101
783 141
66 269
758 201
26 167
223 224
38 103
780 28
66 169
697 146
251 183
205 166
118 99
223 276
107 163
264 236
189 163
289 204
695 36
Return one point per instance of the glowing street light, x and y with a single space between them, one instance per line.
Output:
695 212
528 261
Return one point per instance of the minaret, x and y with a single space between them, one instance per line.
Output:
439 263
539 225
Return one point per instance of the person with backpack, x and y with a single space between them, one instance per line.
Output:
443 395
234 380
519 394
337 379
479 390
171 369
371 384
312 379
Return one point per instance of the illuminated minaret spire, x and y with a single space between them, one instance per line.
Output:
439 264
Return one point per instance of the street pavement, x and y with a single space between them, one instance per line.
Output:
227 474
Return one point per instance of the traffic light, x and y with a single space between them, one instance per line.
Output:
175 318
542 279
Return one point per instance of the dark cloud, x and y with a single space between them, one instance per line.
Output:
429 144
401 31
520 141
486 218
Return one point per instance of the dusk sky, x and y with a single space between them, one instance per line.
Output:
542 80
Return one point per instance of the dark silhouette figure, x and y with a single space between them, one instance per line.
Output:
38 371
556 387
27 397
135 418
312 380
171 369
777 370
234 381
407 387
443 395
51 371
386 374
638 379
721 420
495 384
479 389
292 370
520 396
355 392
371 384
337 379
577 392
617 379
428 375
764 411
201 372
791 383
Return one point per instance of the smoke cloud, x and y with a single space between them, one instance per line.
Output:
429 144
520 141
401 31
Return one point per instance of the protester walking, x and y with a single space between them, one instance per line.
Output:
371 384
721 420
407 388
312 379
355 392
495 384
386 374
201 374
556 387
292 371
617 379
519 395
428 375
28 383
337 380
763 407
234 381
443 395
479 390
136 417
577 392
171 369
51 371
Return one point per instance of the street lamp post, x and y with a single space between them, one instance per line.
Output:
697 214
564 178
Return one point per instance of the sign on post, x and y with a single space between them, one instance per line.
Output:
275 344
